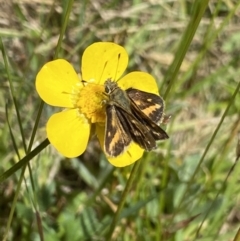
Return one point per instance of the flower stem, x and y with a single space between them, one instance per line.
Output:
122 201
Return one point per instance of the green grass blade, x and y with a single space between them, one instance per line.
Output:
171 75
24 160
13 93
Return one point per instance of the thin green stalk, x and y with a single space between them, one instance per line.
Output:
210 36
13 93
24 160
11 133
14 204
163 198
63 28
171 75
35 127
122 201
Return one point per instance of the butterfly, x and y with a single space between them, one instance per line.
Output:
131 115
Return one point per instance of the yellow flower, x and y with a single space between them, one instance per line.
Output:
83 98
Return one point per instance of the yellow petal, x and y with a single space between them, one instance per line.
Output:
104 60
132 154
55 83
139 80
68 132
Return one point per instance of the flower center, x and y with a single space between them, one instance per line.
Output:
90 100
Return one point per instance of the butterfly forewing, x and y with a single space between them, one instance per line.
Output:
116 133
150 104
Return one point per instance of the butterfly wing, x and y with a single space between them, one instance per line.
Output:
138 132
117 137
150 104
148 110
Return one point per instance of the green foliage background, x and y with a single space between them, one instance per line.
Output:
186 189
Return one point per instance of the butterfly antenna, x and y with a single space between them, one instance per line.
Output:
118 60
104 67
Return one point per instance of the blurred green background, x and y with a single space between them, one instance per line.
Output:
182 190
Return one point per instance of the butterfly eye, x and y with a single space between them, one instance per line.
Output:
107 89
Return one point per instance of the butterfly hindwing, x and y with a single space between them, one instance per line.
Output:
157 132
147 115
138 132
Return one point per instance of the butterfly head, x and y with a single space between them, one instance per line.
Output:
110 86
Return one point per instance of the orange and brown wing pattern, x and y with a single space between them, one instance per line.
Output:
138 132
117 137
148 110
150 104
